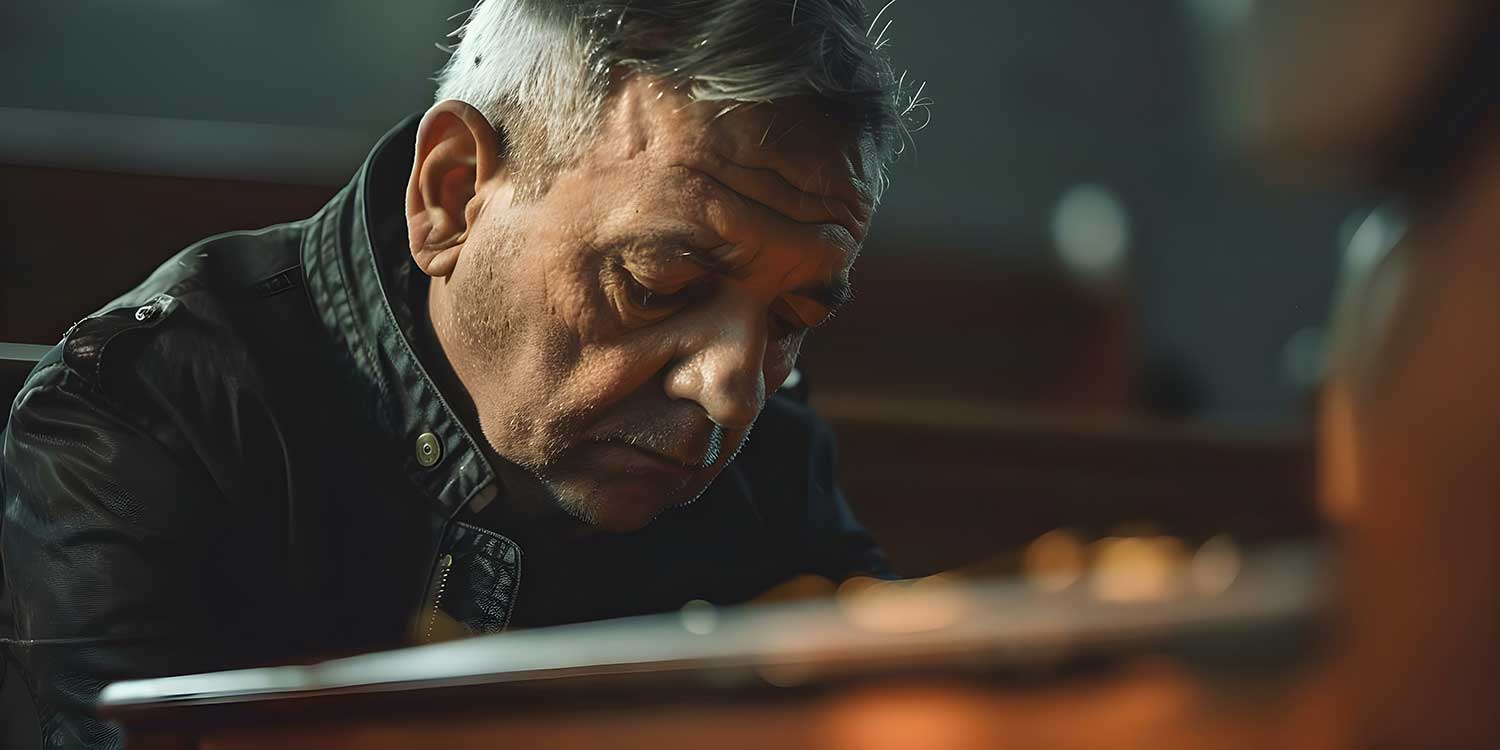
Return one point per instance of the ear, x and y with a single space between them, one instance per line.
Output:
457 167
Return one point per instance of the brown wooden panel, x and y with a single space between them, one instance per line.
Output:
72 240
943 484
955 326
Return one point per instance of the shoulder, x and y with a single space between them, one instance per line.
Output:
177 343
91 342
183 317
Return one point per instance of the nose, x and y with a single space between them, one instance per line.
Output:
724 371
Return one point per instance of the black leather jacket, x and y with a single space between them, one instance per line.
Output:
227 466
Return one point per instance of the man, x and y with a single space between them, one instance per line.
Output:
483 387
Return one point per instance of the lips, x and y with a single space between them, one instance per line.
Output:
690 451
673 458
634 460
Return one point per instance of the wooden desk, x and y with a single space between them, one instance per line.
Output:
932 664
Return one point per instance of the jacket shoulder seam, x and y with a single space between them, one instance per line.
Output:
86 344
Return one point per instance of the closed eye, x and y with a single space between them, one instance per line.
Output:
814 305
642 300
647 298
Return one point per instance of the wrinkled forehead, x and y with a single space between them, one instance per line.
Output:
812 147
789 157
807 149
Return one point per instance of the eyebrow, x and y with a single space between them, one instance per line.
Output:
703 256
832 294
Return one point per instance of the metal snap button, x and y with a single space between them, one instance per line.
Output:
429 449
157 305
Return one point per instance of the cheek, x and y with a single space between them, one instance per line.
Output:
482 319
565 272
592 362
608 374
573 300
515 312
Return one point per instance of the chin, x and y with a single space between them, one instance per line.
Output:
622 506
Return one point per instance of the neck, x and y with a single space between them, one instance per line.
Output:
522 501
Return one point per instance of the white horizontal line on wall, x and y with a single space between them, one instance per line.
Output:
23 352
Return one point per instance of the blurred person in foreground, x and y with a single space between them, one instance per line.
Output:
1398 97
507 377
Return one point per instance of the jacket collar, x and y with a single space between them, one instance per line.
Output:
357 269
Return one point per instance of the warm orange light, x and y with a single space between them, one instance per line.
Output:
1137 569
1338 454
1054 561
911 606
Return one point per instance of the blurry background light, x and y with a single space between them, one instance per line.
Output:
1137 569
699 617
912 606
1054 561
1092 231
1215 566
1374 234
853 586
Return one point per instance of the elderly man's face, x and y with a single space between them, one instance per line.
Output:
619 334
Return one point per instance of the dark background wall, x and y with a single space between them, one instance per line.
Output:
1032 97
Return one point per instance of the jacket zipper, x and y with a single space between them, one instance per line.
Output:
445 564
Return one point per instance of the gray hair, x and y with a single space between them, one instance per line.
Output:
540 70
